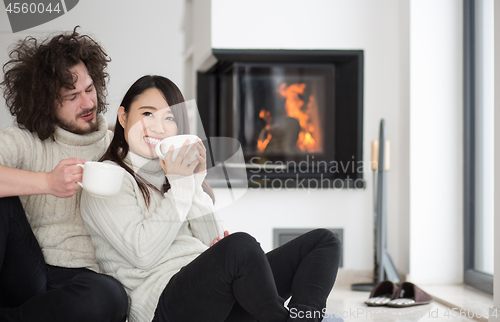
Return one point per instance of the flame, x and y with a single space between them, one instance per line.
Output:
309 140
262 143
307 117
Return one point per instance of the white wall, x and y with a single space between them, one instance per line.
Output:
403 230
141 38
436 141
413 79
148 39
372 26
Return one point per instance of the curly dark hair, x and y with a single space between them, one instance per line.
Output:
37 71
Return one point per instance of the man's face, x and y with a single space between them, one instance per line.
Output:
77 112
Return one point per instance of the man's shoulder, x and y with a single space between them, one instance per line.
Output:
17 133
14 129
16 147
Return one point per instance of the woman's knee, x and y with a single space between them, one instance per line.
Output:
242 243
327 237
103 297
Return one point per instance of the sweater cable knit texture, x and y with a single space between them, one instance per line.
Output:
56 222
143 247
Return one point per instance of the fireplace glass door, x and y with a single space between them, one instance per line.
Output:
279 113
296 114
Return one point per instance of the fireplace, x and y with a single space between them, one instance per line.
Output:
297 114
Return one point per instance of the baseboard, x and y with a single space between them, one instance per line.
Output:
347 277
284 235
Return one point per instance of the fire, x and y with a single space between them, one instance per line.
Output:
306 116
309 139
261 145
261 142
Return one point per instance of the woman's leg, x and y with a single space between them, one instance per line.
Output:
233 270
305 269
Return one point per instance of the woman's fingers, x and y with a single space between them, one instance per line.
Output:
181 156
180 165
202 164
226 233
189 153
168 156
163 165
193 165
200 143
200 158
201 149
215 241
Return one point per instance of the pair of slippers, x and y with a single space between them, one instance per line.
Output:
386 293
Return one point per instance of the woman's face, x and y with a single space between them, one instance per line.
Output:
148 122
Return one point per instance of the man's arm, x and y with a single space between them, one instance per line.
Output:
60 182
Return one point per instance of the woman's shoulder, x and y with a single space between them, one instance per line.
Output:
129 190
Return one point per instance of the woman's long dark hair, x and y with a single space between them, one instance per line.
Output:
118 148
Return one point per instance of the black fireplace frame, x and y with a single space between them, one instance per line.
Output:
348 99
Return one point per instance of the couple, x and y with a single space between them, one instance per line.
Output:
158 236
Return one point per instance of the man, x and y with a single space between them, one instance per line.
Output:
48 271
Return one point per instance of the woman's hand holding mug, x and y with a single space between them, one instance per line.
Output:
202 157
186 155
180 165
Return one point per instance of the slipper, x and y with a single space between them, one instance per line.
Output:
381 294
408 294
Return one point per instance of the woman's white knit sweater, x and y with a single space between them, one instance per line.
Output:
143 247
56 222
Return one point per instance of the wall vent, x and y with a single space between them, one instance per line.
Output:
283 235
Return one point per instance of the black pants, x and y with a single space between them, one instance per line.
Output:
234 281
31 290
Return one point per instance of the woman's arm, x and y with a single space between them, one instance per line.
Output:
120 220
204 223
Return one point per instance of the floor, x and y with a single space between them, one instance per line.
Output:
349 305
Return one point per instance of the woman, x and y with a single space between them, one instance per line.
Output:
160 238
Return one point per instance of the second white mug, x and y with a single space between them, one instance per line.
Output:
101 179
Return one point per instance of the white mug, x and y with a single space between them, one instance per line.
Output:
101 179
177 141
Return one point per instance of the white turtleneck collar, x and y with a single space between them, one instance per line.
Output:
148 169
63 136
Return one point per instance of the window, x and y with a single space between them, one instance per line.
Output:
478 140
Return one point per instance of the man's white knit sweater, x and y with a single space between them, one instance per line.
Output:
143 247
56 222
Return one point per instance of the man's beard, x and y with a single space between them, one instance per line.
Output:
73 128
